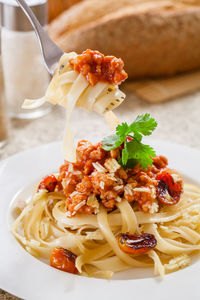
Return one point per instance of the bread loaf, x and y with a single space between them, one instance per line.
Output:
56 7
154 38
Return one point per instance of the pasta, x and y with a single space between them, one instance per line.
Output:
43 225
115 205
69 84
110 218
69 88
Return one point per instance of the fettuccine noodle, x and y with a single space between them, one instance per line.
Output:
43 225
69 88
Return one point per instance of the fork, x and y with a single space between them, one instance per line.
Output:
51 53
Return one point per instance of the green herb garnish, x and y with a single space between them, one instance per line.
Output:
134 151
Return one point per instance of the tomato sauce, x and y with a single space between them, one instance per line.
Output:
95 67
83 180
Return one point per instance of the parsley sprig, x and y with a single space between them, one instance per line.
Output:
134 151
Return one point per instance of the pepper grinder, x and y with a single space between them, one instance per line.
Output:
24 72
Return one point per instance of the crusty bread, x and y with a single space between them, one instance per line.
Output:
154 38
56 7
85 13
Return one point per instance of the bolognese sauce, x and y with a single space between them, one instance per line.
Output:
97 178
95 67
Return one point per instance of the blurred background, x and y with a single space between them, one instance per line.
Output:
159 41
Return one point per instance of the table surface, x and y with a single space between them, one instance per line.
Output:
178 121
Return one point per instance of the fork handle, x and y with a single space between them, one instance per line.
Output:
47 46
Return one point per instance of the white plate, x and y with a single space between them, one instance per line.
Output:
28 278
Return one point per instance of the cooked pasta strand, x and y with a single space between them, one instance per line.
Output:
44 225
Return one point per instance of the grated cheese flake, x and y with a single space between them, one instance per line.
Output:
79 205
92 201
99 167
111 165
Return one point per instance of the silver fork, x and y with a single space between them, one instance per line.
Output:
50 51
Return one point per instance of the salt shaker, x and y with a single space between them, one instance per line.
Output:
24 72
